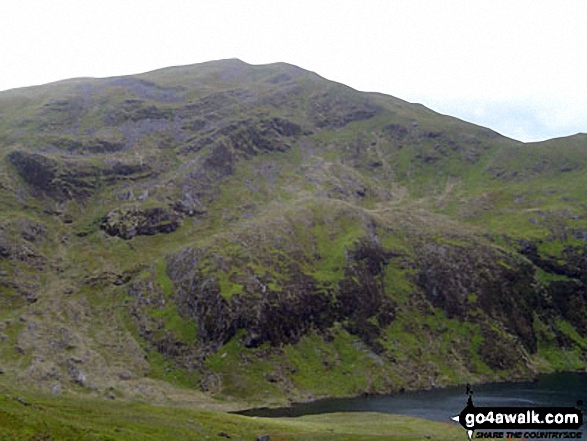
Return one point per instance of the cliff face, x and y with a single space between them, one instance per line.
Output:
261 232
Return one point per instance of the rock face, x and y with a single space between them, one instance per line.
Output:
22 261
70 179
261 232
127 223
462 279
250 138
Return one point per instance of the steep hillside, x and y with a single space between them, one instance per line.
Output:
261 233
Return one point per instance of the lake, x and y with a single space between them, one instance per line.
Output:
558 390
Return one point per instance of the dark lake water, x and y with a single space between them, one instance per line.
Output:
554 390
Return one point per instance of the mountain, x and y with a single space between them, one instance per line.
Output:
260 233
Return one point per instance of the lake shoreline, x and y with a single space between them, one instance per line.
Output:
292 409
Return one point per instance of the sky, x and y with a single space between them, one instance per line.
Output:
516 66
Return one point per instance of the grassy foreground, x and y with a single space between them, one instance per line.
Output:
27 417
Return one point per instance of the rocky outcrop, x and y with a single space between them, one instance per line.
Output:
136 110
283 316
250 138
129 222
222 150
37 170
276 317
22 261
475 277
568 295
85 146
331 110
361 302
572 262
65 178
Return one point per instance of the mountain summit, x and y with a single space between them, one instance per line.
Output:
263 233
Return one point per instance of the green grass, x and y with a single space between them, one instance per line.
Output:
164 368
550 356
244 373
37 417
546 278
338 368
333 236
183 329
444 349
569 330
227 287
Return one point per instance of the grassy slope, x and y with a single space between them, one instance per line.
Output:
26 417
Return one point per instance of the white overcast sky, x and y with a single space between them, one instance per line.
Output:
517 66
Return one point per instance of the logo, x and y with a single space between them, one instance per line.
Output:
520 422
